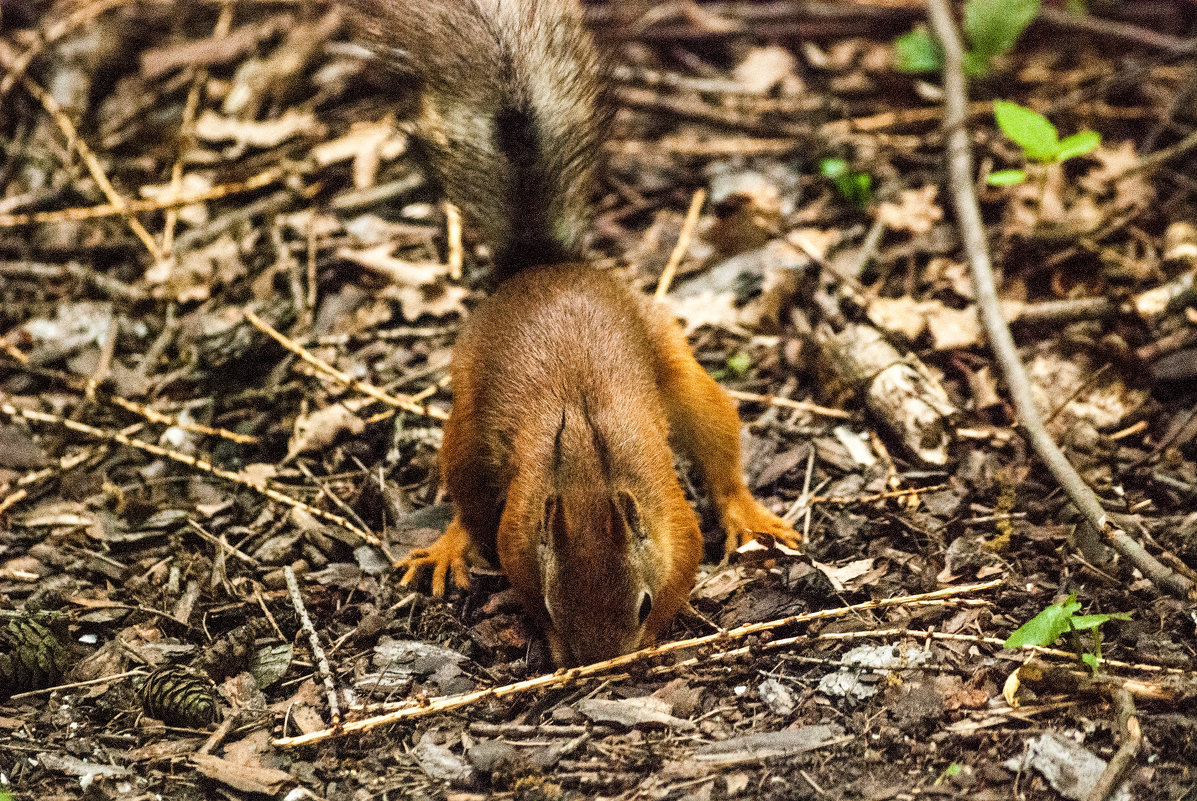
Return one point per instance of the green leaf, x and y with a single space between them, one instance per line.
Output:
1084 622
1091 660
918 51
1078 144
993 26
1047 626
1030 129
832 168
976 64
739 364
1006 177
948 772
855 187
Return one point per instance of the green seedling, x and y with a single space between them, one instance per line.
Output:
736 366
948 772
991 26
1038 138
1062 618
854 187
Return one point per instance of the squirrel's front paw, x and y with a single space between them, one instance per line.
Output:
744 519
446 556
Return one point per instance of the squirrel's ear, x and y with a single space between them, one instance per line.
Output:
626 507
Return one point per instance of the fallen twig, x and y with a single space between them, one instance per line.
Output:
453 227
199 81
803 406
683 243
405 402
156 416
76 684
79 272
879 496
968 216
305 623
76 142
64 463
88 13
566 677
199 464
1131 737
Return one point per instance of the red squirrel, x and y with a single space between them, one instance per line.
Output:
570 391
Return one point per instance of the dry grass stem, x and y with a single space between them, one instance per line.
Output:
683 243
404 402
566 677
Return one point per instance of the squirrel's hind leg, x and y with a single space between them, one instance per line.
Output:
705 426
447 556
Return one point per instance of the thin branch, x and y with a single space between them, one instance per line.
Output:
305 622
156 416
76 142
199 80
787 403
198 464
968 216
453 228
566 677
114 677
88 13
405 402
683 243
61 272
1131 737
164 202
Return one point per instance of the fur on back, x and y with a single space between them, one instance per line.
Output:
511 113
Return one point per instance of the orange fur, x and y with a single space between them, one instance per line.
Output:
570 391
569 386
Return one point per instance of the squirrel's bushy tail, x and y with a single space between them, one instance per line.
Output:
511 113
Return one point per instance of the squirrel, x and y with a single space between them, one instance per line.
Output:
570 390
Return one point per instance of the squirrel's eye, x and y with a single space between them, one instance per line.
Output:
646 607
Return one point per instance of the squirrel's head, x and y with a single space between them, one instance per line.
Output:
602 573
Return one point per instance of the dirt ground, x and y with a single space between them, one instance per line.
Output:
228 297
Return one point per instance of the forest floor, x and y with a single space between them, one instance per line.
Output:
227 306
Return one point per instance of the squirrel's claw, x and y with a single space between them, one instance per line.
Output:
446 556
744 518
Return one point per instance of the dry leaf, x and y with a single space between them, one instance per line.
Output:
952 328
1131 189
212 127
435 299
764 68
915 210
1103 403
320 428
902 316
198 272
418 287
266 781
194 214
706 308
258 473
368 144
845 577
646 712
